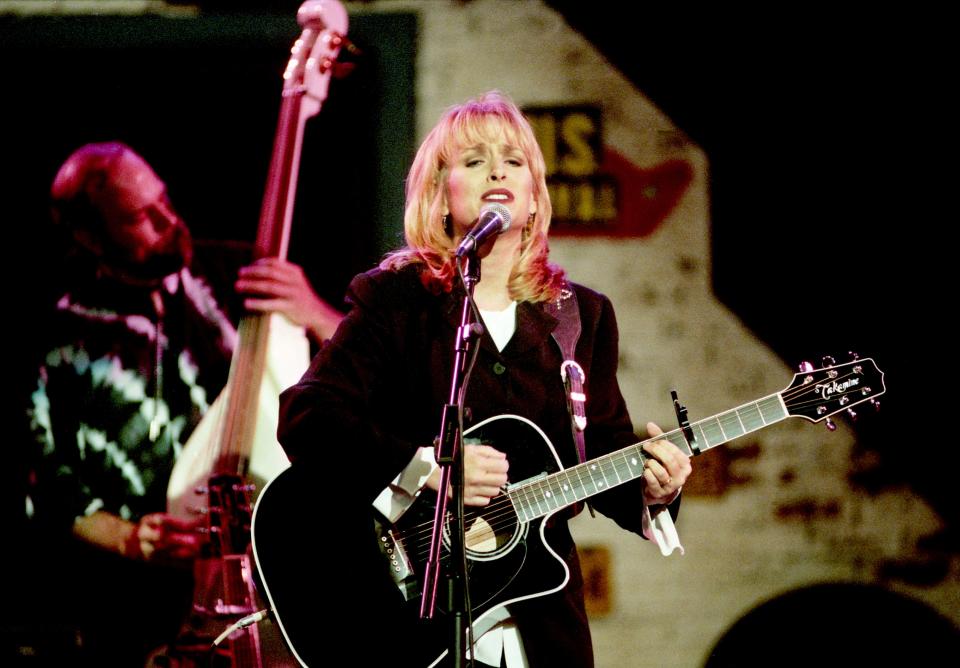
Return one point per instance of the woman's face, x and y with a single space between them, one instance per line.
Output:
490 172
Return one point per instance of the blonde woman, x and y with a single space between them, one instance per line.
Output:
364 417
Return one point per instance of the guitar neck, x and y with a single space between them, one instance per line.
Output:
542 496
243 395
273 239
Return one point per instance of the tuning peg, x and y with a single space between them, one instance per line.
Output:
854 356
828 360
830 425
875 404
852 413
805 367
337 40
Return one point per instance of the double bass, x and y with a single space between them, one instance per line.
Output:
236 439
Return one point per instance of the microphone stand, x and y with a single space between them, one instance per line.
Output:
449 455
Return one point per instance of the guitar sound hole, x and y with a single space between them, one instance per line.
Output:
492 531
481 537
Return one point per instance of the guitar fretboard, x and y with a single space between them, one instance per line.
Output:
542 496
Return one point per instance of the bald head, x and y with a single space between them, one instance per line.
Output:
115 206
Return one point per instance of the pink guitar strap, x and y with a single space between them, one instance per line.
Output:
566 334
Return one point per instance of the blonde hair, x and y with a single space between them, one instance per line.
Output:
430 244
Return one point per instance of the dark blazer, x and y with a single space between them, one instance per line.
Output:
375 393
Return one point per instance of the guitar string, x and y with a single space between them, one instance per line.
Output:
531 494
522 493
494 522
525 493
501 517
538 488
504 515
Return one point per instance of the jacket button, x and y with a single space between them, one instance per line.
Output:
499 368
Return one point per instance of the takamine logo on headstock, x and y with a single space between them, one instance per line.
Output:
816 394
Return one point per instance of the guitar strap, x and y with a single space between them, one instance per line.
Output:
566 334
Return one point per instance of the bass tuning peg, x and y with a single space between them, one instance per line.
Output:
830 425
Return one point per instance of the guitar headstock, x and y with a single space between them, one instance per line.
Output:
816 394
314 54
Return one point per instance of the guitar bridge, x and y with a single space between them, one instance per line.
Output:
401 568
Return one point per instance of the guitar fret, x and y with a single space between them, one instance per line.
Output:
553 494
530 500
635 462
771 409
623 468
734 424
530 493
585 483
536 498
601 468
723 431
564 486
581 486
592 469
518 505
521 504
702 442
546 495
712 433
616 472
751 417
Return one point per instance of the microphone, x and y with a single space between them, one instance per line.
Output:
493 219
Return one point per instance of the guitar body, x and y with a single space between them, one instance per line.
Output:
508 560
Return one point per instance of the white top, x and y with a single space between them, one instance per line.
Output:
501 324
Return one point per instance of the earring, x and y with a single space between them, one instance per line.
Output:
528 227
